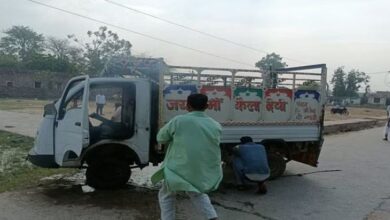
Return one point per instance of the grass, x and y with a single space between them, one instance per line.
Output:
15 171
32 106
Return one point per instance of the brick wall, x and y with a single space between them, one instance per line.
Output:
24 83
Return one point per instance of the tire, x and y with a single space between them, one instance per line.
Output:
277 165
108 174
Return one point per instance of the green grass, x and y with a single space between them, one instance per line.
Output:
15 104
15 171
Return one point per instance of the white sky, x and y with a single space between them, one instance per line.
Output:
350 33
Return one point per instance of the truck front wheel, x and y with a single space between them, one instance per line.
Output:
277 165
108 174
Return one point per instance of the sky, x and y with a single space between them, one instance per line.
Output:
350 33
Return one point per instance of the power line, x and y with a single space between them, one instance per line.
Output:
196 30
141 34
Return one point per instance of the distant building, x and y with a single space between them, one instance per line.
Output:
379 98
345 100
31 84
353 101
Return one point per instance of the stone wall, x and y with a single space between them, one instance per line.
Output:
31 84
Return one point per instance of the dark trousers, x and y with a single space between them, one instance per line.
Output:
238 169
99 109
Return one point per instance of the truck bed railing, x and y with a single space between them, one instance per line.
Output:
291 78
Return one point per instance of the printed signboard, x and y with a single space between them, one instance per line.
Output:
247 104
175 99
219 102
278 104
306 105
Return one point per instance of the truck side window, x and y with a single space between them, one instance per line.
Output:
74 102
128 110
64 100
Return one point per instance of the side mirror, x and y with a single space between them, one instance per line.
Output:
49 109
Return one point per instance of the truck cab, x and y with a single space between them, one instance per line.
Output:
73 133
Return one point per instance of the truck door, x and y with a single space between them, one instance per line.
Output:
141 138
71 130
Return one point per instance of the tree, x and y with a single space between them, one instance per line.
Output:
7 60
310 84
348 85
272 60
62 49
66 56
22 42
354 81
338 82
50 63
102 45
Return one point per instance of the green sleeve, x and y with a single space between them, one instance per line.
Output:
165 135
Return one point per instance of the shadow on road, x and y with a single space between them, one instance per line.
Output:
64 192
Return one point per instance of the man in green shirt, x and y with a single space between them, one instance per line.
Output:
192 162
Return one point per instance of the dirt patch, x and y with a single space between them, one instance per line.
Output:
356 113
63 193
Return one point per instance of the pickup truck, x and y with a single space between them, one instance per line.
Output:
273 107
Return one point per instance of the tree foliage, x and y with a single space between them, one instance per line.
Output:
22 47
354 81
50 63
310 84
272 60
7 60
22 42
100 47
65 57
62 49
348 85
338 82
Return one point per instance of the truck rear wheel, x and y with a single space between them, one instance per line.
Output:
277 165
108 174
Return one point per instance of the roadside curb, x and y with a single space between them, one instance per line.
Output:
353 126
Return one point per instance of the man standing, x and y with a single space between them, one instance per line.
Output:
192 162
387 126
250 163
100 102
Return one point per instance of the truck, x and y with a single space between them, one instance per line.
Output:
283 109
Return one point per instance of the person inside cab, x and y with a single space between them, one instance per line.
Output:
109 129
117 116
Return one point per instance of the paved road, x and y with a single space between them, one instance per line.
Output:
360 190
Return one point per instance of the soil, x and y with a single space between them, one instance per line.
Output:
356 113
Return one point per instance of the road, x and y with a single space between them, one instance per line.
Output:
351 182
